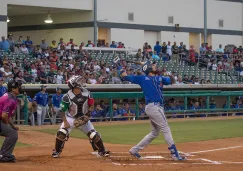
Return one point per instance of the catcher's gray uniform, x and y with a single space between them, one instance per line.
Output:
75 107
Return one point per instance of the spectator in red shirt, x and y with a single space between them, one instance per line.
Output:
235 50
120 45
192 59
71 43
53 65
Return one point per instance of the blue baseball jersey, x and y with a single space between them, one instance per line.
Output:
127 111
3 90
41 99
151 86
56 100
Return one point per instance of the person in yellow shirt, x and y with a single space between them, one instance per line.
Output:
53 44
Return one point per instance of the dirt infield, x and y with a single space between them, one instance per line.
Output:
217 155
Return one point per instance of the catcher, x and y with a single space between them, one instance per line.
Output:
76 107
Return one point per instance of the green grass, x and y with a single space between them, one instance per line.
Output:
186 131
17 145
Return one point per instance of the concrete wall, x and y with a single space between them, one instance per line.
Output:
78 34
3 24
70 4
175 37
131 38
225 40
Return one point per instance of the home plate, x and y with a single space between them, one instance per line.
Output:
153 157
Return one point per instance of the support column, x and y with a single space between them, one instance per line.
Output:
242 23
3 20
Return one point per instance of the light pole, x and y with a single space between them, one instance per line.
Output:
95 23
205 22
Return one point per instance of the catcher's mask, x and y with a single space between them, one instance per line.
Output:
76 82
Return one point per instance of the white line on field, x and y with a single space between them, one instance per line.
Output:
186 154
218 149
229 162
210 161
156 152
158 164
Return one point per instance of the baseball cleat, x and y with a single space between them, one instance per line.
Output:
104 153
175 155
136 155
7 159
56 154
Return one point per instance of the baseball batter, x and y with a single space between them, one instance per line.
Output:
76 106
151 87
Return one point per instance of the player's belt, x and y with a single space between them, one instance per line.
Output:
156 103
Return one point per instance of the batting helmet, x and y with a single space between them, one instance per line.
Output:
76 81
147 67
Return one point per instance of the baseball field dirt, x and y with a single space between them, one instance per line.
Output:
216 155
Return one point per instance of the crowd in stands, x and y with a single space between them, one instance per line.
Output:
57 62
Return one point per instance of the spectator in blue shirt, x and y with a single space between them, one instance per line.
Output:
157 47
3 89
28 43
113 45
202 49
238 105
4 44
56 102
155 56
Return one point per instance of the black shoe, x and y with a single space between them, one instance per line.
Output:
104 153
7 159
56 154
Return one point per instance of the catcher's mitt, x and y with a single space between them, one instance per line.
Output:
81 121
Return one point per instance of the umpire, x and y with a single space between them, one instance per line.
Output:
41 100
8 104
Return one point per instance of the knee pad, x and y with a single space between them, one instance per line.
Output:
94 136
62 134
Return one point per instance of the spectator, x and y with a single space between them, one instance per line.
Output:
51 75
42 76
202 81
71 43
192 59
89 44
20 78
120 45
43 44
3 89
186 79
196 80
11 42
202 49
179 80
4 44
155 56
208 82
164 48
20 41
7 74
220 49
214 66
17 49
59 77
27 77
113 45
28 43
149 51
115 78
92 79
175 51
53 65
53 44
61 43
24 49
157 47
169 49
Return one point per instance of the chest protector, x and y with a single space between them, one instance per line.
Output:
78 105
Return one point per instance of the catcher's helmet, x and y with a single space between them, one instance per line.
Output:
14 84
76 81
